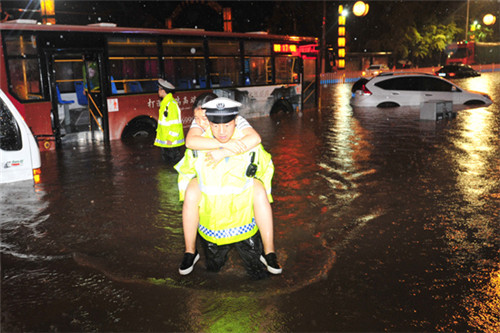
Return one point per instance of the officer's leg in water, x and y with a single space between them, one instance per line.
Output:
215 255
250 251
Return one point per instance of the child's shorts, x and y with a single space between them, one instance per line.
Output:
249 249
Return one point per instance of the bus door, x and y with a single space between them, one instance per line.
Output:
309 93
78 110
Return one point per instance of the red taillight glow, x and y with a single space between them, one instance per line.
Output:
365 90
36 175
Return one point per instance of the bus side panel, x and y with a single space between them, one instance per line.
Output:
124 109
259 101
39 117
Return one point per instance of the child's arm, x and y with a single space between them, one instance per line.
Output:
195 140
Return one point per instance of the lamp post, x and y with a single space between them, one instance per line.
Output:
341 40
360 8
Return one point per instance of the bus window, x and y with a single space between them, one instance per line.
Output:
24 68
68 70
225 63
184 63
133 64
286 70
258 68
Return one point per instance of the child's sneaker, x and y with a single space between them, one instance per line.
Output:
188 263
271 263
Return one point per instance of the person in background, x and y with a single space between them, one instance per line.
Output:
92 82
169 134
216 151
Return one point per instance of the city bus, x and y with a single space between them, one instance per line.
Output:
99 82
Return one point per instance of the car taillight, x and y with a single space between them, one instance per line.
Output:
36 175
451 74
365 90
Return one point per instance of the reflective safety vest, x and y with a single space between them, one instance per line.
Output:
226 206
169 132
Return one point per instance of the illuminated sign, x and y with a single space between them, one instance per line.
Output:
285 48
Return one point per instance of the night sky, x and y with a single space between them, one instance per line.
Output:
281 17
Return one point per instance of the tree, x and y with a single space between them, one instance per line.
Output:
421 38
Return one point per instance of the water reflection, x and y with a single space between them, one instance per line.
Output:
22 215
224 312
383 222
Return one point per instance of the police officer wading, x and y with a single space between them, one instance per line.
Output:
169 134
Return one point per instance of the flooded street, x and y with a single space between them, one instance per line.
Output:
383 222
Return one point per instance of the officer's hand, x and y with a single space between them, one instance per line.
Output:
235 146
215 156
200 118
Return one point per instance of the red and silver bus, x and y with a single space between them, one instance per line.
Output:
98 82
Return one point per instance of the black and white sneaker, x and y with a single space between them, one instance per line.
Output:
271 263
188 263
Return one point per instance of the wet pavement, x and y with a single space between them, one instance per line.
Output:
383 222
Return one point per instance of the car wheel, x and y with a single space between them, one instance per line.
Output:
474 102
388 105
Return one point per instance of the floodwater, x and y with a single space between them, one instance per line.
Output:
383 222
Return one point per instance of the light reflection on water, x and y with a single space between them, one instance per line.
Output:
474 229
383 222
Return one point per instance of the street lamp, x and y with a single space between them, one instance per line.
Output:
360 8
341 40
489 19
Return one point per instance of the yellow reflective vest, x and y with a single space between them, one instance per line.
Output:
169 133
226 206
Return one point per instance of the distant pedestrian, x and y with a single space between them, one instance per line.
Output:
170 133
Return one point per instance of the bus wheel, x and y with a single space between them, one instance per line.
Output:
140 131
281 106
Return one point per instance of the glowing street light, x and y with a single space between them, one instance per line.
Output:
341 41
489 19
360 8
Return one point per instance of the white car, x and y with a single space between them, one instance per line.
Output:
411 89
375 70
19 153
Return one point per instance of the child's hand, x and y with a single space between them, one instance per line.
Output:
235 146
213 157
200 118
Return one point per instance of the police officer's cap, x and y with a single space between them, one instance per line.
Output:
221 110
166 85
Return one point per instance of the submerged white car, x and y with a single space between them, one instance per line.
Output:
19 153
411 89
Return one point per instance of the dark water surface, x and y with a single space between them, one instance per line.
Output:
383 223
